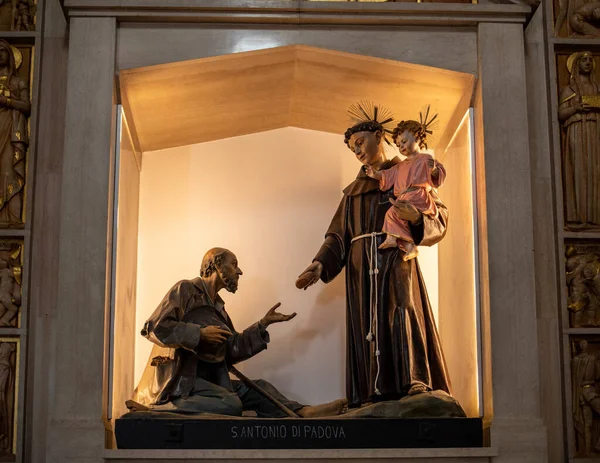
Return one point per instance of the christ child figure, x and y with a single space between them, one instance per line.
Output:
414 181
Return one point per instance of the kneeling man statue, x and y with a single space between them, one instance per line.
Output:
192 321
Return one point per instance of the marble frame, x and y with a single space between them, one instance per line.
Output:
76 403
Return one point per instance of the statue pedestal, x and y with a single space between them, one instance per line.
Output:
147 430
457 455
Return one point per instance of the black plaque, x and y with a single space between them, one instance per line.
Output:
255 433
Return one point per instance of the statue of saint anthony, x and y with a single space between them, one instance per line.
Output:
393 347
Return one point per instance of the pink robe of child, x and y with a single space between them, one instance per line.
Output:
412 182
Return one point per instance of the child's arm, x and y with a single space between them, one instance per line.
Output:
387 178
435 171
376 174
438 172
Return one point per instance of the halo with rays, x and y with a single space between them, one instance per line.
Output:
429 121
367 111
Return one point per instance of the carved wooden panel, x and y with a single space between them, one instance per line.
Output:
11 269
585 374
579 116
583 283
17 15
15 107
577 18
9 386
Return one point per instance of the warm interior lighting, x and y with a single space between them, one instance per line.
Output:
459 290
269 197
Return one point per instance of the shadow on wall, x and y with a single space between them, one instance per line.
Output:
322 325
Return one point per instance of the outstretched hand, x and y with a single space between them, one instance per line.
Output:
583 108
310 276
435 171
272 316
373 173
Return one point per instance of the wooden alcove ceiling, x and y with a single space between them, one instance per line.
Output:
200 100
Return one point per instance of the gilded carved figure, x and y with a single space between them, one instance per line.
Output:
580 304
585 21
585 372
10 283
561 15
7 380
14 110
581 18
578 113
23 14
583 283
17 15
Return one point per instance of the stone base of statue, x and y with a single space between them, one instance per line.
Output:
428 420
435 404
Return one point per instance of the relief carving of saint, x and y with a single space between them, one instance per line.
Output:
579 114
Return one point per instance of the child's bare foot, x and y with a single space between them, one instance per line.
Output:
410 255
390 242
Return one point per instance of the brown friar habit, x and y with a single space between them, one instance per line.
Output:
409 344
176 324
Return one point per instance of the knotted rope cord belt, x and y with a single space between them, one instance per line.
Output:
373 295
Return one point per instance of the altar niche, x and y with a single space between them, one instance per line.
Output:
246 151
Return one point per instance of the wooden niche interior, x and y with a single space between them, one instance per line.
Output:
292 86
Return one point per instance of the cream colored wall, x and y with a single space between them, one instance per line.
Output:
459 289
268 197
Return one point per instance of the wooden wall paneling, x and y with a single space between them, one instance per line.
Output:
557 50
292 85
10 387
27 43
